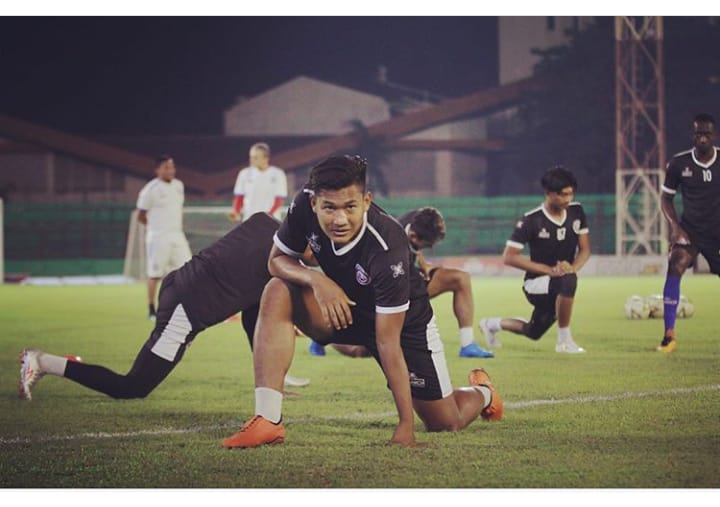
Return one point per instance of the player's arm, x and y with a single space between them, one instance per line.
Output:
512 256
387 330
583 253
142 216
678 236
332 300
423 264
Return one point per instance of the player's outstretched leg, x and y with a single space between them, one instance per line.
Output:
463 406
459 283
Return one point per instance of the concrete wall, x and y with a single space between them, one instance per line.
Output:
518 35
304 107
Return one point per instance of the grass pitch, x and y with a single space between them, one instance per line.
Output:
620 416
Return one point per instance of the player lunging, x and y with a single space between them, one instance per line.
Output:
367 294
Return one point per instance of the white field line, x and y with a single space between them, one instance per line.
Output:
7 441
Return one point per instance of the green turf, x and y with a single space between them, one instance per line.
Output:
641 435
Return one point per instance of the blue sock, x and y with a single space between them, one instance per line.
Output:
671 295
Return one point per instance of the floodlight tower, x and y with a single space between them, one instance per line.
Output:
639 135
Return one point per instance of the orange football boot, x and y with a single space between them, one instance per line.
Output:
494 411
255 432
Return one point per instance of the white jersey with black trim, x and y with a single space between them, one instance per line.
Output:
373 269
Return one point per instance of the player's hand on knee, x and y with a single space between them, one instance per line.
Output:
678 236
334 304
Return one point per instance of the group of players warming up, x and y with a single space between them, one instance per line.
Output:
371 296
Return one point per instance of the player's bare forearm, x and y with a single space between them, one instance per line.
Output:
512 257
583 252
142 216
388 328
289 268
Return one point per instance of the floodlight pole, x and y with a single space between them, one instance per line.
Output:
639 135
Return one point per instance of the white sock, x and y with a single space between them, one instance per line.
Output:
52 365
563 334
486 394
494 324
268 403
467 336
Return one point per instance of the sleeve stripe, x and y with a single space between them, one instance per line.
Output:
392 309
584 231
284 248
668 190
514 244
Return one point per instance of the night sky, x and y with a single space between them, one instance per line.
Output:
176 75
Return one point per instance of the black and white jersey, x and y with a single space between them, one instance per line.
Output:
699 184
550 240
405 220
228 276
373 269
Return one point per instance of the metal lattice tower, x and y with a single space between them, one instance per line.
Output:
640 135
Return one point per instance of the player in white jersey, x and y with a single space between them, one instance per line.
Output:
160 205
260 187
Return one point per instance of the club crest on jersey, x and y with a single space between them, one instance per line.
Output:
687 172
313 242
361 275
397 269
543 233
576 226
561 234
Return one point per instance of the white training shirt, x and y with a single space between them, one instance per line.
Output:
163 202
260 188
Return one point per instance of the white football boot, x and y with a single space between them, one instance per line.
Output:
568 346
30 373
490 337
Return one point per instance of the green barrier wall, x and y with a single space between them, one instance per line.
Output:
67 239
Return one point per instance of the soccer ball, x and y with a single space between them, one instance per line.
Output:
685 308
657 306
636 307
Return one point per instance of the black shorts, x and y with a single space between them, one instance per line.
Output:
707 246
423 352
541 292
173 330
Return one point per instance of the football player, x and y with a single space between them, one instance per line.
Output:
368 293
558 238
696 174
226 278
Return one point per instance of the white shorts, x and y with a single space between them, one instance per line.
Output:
166 253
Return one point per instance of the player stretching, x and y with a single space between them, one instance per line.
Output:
367 294
425 227
207 290
558 236
696 173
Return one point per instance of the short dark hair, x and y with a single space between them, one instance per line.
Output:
161 159
556 178
428 225
338 172
704 118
